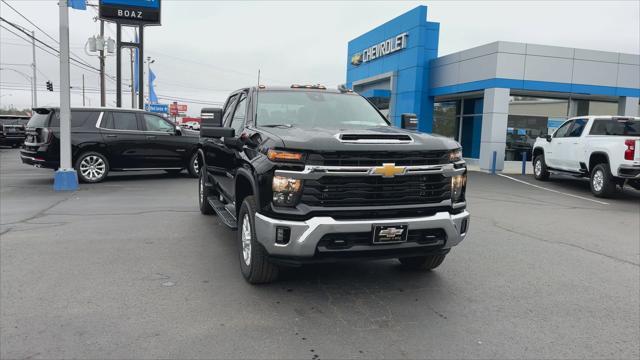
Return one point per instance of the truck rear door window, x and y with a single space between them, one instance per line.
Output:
615 127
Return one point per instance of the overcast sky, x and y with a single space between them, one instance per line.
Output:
205 49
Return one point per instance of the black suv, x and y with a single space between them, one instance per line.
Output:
309 175
12 129
104 139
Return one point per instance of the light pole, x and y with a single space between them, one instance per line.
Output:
31 81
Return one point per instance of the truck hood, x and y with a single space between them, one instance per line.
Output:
320 139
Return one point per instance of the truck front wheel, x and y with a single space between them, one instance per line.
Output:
602 182
254 262
422 262
540 168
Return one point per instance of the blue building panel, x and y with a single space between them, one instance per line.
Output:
409 65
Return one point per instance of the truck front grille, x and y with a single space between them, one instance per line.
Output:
377 158
338 191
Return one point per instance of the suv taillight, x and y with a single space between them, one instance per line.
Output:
631 148
46 134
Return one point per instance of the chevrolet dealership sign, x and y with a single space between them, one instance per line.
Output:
386 47
135 12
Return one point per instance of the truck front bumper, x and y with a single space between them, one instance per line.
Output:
305 235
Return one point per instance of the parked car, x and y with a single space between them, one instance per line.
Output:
605 149
105 139
193 125
309 174
12 129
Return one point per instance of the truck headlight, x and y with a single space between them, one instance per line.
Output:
455 155
458 185
286 190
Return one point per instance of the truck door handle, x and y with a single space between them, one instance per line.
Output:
151 137
112 135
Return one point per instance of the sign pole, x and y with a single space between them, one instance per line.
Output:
118 65
65 177
141 68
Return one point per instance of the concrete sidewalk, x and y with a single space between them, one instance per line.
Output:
510 167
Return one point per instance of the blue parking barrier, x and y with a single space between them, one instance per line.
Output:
524 162
493 162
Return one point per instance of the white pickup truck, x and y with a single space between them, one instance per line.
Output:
605 149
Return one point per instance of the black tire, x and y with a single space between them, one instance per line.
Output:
540 170
173 171
100 167
602 182
428 262
194 165
257 269
203 193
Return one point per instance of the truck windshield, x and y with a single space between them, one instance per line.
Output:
616 127
316 110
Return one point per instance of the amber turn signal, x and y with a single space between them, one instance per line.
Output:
276 155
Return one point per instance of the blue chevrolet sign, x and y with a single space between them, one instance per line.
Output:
157 108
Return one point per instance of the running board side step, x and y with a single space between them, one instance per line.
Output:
224 214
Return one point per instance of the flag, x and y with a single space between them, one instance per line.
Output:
77 4
135 67
153 98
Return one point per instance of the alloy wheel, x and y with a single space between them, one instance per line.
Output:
246 240
92 167
598 180
538 168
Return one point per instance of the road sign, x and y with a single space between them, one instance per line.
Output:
157 108
175 108
139 12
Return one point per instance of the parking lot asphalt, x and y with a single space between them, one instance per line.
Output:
129 268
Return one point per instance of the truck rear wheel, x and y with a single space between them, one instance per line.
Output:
602 182
254 262
422 262
540 168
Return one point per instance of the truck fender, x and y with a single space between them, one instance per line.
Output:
245 174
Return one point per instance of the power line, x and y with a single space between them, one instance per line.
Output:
36 26
45 44
80 65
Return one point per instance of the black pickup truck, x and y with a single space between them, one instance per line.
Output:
308 174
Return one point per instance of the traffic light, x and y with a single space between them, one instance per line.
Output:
49 86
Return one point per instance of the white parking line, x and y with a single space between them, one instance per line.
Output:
554 191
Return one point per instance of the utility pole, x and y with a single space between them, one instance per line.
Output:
66 177
33 65
133 90
83 90
103 97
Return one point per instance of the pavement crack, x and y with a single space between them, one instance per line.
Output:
565 244
40 213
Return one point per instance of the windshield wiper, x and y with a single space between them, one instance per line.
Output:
277 125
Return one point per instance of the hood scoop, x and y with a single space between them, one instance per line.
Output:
375 138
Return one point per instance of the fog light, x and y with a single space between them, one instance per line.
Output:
282 235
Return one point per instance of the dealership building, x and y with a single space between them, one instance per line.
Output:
497 97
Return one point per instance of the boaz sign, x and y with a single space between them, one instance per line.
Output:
135 12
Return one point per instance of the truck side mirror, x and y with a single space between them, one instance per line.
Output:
548 137
217 132
211 117
409 121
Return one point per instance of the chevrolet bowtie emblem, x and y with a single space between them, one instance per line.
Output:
388 170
